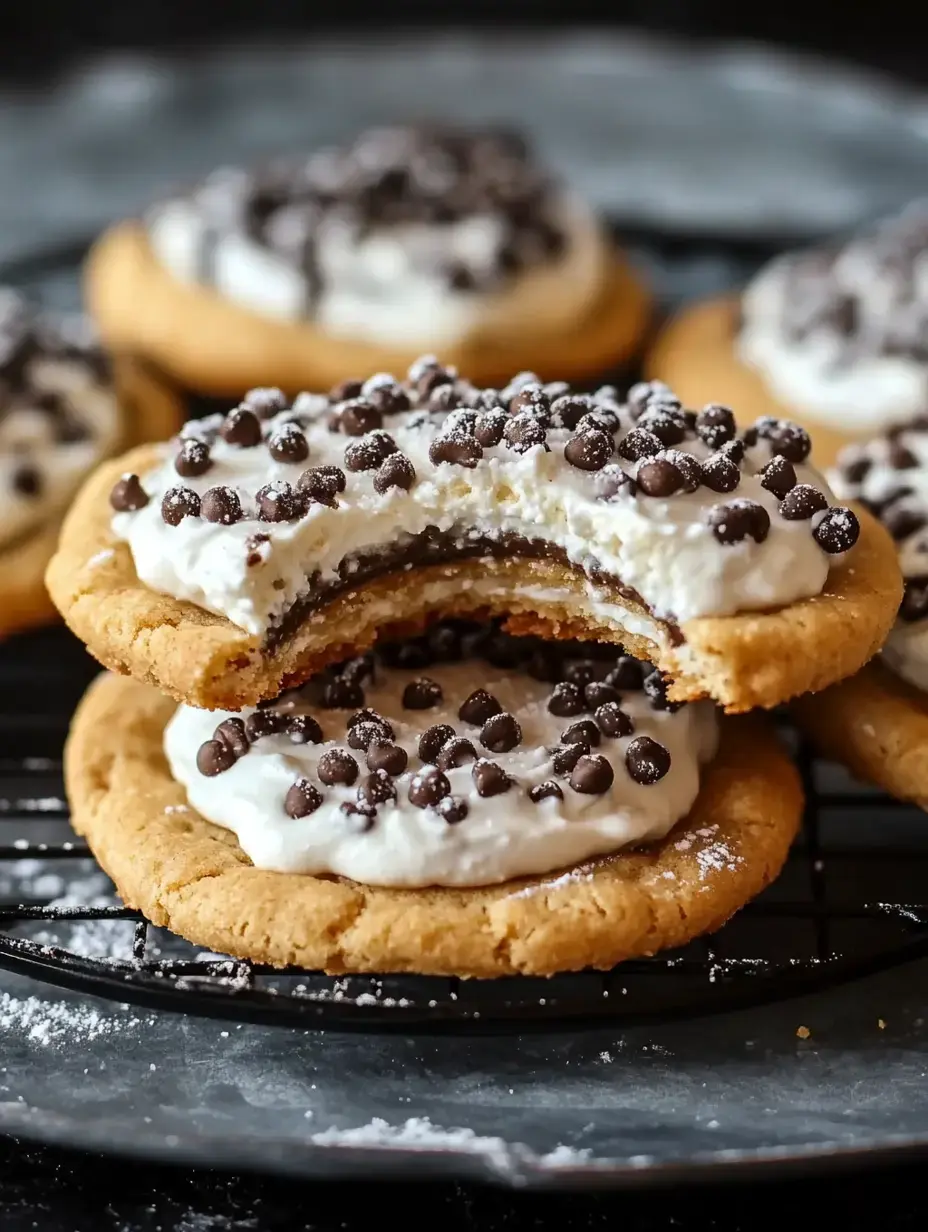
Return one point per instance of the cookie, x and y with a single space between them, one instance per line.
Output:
192 876
64 406
832 337
266 543
877 723
304 273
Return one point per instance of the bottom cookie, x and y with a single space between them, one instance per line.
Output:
151 410
876 725
191 876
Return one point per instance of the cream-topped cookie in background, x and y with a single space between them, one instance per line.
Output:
877 722
835 337
357 259
64 407
461 803
262 544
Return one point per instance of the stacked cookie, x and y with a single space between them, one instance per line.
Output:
451 664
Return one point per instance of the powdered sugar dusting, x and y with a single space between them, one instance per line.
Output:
62 1022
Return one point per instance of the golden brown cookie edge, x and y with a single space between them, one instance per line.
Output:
188 875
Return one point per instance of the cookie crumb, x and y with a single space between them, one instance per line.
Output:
881 1024
803 1033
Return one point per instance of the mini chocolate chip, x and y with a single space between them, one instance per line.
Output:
523 433
720 474
646 760
644 392
801 502
232 733
27 481
179 503
598 692
367 715
128 495
600 419
337 766
411 654
582 672
486 400
733 450
341 694
214 757
322 483
443 399
788 440
192 458
779 476
241 428
548 790
658 477
368 453
612 482
363 817
490 427
453 809
266 403
566 756
459 450
221 505
500 733
362 735
592 775
613 721
422 694
303 729
263 723
376 788
489 778
902 522
655 687
858 470
455 753
530 396
627 675
585 732
639 444
566 700
461 421
288 444
589 451
278 502
428 787
396 471
386 394
715 424
838 530
345 390
419 367
358 416
739 520
433 740
666 424
567 412
688 466
445 643
479 707
302 799
430 380
914 604
384 755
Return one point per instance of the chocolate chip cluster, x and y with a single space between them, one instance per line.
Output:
432 176
587 686
876 475
868 293
27 339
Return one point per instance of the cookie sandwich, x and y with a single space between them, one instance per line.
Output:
359 259
834 337
261 545
64 407
876 723
461 803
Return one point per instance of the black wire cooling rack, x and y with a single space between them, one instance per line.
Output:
849 902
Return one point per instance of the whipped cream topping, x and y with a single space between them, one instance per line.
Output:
249 517
889 475
58 413
841 333
512 796
409 237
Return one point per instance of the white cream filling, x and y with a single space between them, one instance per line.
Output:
27 442
662 548
386 286
501 837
